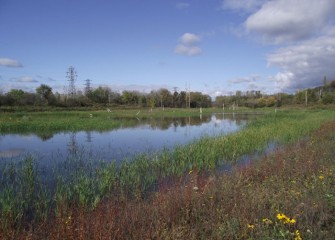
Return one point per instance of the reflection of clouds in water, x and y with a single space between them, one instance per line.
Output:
216 120
11 153
28 137
149 136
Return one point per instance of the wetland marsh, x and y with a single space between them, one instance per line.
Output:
31 195
133 136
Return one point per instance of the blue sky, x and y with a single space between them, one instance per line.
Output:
215 46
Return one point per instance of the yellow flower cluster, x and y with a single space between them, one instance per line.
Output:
297 235
251 226
286 220
266 221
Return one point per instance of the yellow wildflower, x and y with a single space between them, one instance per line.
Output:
266 221
286 220
190 171
297 235
281 216
251 226
321 177
290 220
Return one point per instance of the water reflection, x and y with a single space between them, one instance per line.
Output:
144 135
10 153
88 137
72 145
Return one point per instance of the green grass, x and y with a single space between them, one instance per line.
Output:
25 198
27 122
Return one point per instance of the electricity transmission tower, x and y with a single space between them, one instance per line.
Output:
71 77
88 86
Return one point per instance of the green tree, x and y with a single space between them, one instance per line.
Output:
44 92
100 95
327 98
13 97
130 97
166 98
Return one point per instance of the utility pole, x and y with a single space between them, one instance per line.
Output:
306 97
188 95
71 77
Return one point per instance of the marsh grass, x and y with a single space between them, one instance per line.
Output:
288 194
76 203
48 123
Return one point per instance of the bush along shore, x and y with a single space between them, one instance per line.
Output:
288 194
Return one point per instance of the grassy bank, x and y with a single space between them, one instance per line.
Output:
27 202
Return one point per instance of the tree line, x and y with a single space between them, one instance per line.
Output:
104 96
255 99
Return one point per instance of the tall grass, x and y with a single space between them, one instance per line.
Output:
79 184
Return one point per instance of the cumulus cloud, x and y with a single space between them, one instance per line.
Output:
51 79
187 50
250 79
138 88
189 39
304 64
188 45
290 20
26 80
182 5
245 5
42 78
304 33
7 62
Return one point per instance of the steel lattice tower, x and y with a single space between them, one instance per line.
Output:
88 86
71 77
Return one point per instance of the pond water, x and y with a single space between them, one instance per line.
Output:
147 135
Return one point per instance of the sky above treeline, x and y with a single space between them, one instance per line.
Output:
215 46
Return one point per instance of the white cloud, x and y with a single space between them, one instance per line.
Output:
304 64
245 5
6 62
189 39
26 80
290 20
182 5
139 88
306 27
249 79
187 50
188 45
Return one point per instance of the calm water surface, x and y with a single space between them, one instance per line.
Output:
148 135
